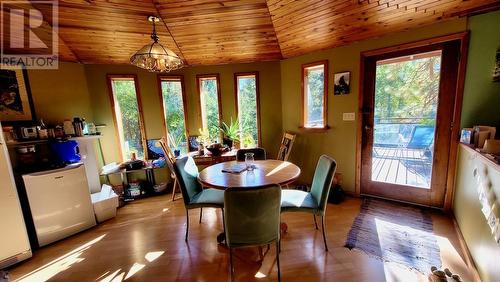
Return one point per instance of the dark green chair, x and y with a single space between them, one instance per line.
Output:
193 194
252 218
259 154
315 201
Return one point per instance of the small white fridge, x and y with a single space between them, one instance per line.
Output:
14 241
60 202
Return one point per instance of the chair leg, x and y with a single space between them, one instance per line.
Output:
231 268
278 248
315 223
201 214
187 225
223 221
173 189
324 232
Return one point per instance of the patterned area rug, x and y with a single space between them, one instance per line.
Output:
396 233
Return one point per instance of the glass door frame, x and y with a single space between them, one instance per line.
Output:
447 127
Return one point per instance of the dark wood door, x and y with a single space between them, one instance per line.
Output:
407 116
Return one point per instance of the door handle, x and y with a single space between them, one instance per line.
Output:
367 127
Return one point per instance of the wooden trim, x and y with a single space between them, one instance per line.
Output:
415 44
324 63
455 130
109 78
179 77
359 131
257 94
219 95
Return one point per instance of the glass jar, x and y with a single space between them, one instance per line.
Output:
249 161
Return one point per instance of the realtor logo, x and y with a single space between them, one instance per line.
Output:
29 34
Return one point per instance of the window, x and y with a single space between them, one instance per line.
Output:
247 108
314 94
126 106
210 108
174 110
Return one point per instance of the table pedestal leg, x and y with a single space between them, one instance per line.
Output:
221 238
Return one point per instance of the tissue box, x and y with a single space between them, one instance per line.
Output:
105 203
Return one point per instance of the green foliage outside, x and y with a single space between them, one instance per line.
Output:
174 113
208 89
315 90
406 94
247 108
127 112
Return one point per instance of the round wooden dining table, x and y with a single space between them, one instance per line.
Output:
265 172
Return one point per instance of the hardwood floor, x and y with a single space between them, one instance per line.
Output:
145 242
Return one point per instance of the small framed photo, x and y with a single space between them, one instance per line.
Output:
342 83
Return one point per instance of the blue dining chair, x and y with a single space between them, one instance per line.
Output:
193 194
252 218
315 201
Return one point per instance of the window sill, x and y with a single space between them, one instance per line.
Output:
314 129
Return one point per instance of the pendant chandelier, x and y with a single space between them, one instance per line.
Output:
155 57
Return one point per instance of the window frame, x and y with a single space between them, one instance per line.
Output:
257 90
110 78
304 67
199 78
180 77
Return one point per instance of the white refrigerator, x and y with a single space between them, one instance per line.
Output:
14 242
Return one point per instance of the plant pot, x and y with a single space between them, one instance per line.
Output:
177 153
228 142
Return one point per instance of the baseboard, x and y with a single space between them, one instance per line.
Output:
468 257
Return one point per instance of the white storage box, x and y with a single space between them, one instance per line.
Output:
105 203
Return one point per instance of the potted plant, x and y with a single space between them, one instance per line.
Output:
175 141
231 133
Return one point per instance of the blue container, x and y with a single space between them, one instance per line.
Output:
66 151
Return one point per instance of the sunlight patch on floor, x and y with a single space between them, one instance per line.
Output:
60 264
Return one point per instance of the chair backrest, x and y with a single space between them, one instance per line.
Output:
422 137
322 181
259 154
252 216
286 146
186 173
169 155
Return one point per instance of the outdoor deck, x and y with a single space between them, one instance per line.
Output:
401 166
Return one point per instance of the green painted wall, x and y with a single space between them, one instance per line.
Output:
60 94
339 141
481 95
270 100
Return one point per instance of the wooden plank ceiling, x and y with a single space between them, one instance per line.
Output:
234 31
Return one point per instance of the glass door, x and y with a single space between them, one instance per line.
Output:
407 112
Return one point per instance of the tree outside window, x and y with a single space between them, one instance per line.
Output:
247 100
209 105
173 107
128 116
315 81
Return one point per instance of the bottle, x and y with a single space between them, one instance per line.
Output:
43 132
77 123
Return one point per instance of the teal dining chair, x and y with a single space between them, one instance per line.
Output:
259 154
315 201
252 218
193 194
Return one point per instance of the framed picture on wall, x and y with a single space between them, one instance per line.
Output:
342 83
16 103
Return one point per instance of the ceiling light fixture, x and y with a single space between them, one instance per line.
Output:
155 57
